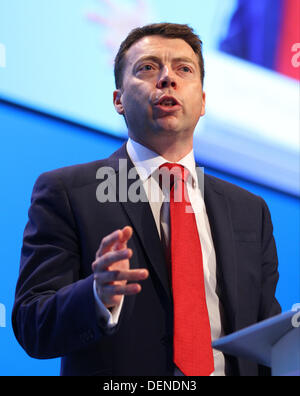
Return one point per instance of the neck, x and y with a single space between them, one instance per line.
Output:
172 150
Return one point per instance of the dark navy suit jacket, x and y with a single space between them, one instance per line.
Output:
54 313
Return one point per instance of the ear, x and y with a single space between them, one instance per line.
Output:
203 104
117 98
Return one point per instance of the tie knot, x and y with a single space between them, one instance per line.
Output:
170 173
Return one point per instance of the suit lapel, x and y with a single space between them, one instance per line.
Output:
141 217
218 212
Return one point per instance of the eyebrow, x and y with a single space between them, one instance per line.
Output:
184 59
147 58
158 60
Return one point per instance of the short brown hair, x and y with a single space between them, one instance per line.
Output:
168 30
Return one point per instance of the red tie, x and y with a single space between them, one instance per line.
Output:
192 335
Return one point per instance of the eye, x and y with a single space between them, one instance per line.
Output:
146 68
186 69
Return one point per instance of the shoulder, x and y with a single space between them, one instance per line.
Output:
67 177
71 175
76 176
233 192
246 209
227 187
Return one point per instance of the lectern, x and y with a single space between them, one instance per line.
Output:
275 343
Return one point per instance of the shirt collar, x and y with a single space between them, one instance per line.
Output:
149 161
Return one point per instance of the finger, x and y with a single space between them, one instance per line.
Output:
126 234
113 276
104 262
119 238
107 242
121 290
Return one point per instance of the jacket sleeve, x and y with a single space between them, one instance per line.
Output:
269 305
54 312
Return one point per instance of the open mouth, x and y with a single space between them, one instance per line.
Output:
168 102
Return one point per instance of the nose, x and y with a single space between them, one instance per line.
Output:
166 79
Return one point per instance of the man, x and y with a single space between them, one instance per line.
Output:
98 284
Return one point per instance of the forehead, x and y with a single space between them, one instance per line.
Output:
162 47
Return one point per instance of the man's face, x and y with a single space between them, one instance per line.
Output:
162 90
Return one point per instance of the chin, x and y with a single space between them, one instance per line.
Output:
169 126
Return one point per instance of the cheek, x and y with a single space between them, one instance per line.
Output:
137 99
194 108
137 106
198 106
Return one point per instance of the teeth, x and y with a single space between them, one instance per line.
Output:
167 103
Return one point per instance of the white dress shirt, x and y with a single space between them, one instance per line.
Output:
147 164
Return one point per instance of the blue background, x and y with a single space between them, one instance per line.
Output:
32 144
69 86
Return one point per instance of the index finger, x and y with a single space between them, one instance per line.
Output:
126 234
118 238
